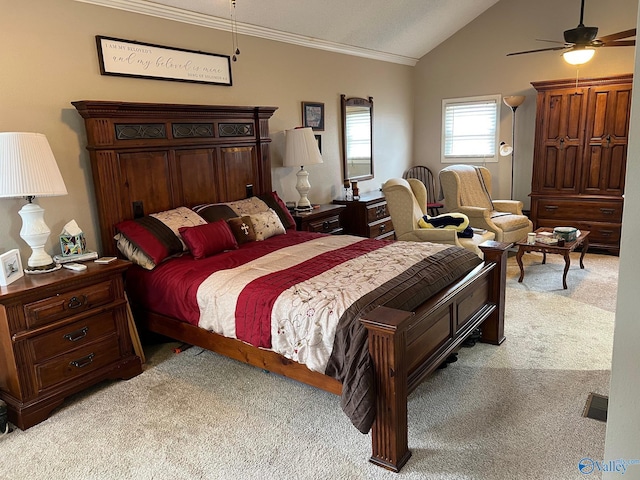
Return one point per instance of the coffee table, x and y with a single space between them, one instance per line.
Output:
564 250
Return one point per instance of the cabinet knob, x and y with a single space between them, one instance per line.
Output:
383 227
325 226
77 335
83 362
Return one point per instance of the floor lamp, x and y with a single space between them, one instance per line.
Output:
513 102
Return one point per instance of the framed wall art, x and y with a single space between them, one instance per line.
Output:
127 58
313 115
10 267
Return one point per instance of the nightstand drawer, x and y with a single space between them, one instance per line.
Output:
326 225
78 362
380 229
73 335
377 212
68 303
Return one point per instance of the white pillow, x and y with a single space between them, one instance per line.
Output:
267 224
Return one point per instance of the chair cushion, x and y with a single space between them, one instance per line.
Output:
508 222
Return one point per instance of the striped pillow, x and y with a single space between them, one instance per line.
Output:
149 240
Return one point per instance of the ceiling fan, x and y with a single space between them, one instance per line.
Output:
579 42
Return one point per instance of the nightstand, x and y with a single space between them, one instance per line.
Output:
323 219
367 216
60 333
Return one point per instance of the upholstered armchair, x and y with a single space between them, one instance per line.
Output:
467 190
407 203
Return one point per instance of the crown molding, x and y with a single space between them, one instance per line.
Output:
166 12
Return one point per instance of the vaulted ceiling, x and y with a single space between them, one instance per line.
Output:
399 31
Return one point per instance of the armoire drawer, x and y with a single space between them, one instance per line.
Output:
596 211
600 233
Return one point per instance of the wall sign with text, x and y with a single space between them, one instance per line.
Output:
126 58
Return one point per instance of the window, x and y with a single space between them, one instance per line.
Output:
470 129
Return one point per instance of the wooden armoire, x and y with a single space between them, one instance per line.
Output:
580 155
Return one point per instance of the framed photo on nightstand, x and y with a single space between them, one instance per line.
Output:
10 267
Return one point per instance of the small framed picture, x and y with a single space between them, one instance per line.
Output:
10 267
313 115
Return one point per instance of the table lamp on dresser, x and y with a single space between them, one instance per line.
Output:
28 169
301 148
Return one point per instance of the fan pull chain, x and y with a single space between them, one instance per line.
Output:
234 30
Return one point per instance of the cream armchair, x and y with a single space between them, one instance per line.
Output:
467 190
406 202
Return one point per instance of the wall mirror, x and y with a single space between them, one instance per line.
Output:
357 137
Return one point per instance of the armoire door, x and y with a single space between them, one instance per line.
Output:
559 141
606 140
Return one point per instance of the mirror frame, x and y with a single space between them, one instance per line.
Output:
359 102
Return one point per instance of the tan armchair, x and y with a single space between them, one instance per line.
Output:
467 190
407 203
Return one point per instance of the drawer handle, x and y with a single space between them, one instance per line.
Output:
77 302
550 208
381 211
608 211
325 226
77 335
382 227
83 362
606 233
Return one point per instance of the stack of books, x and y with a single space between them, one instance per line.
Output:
81 257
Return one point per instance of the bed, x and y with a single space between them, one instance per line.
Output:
150 158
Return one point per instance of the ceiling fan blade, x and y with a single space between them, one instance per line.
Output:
620 43
618 36
564 47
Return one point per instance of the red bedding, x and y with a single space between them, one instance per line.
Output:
304 293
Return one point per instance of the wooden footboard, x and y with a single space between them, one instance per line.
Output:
407 346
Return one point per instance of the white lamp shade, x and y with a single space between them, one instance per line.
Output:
301 148
505 149
578 56
28 167
514 100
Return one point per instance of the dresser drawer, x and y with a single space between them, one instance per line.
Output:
325 225
68 303
600 233
77 362
377 212
73 335
380 229
596 211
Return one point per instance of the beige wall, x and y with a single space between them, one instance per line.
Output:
48 59
474 62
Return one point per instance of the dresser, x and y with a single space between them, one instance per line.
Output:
60 333
580 155
366 216
322 219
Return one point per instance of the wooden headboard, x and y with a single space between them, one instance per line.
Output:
151 157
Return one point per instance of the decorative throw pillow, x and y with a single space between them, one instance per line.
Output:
156 236
208 239
277 205
248 206
267 224
212 212
242 229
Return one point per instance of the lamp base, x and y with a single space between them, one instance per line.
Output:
35 233
44 269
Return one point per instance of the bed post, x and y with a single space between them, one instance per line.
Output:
387 347
493 326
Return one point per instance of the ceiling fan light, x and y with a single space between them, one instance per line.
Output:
578 56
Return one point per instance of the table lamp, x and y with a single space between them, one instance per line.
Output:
301 148
28 169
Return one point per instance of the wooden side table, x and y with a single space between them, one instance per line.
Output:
564 250
60 333
323 219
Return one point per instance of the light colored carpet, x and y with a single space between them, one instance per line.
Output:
508 412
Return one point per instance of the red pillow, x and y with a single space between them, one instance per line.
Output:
206 240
